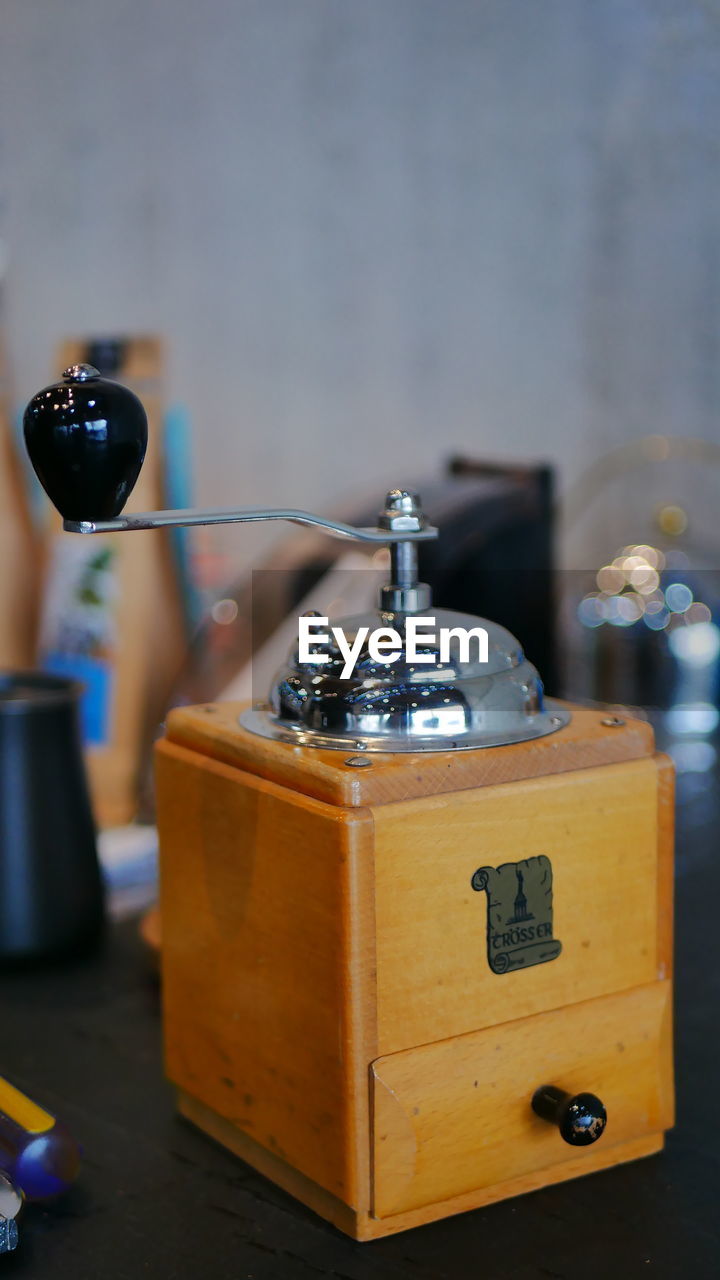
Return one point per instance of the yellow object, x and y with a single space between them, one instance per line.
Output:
672 520
333 941
23 1110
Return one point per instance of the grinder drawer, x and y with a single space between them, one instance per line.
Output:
456 1116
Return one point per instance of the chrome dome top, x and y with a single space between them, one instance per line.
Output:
410 706
449 703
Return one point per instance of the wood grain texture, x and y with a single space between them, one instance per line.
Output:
306 944
584 743
666 864
149 647
599 829
267 963
364 1226
455 1116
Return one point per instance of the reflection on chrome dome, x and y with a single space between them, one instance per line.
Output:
405 706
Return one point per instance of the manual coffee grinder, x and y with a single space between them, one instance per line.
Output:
417 922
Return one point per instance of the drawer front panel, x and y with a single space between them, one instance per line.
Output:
454 1117
593 834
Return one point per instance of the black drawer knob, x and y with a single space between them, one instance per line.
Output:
580 1117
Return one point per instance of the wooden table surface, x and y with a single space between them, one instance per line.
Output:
157 1199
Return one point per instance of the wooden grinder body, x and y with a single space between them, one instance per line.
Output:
331 1013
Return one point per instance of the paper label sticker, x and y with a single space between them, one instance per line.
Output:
519 913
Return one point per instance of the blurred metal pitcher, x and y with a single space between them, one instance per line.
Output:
51 896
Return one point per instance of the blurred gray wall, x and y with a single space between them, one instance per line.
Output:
373 232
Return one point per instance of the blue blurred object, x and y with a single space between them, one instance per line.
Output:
177 450
37 1153
97 678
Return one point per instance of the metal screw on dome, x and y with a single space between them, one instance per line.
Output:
403 593
80 373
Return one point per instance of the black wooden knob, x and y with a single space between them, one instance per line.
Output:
86 438
581 1118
